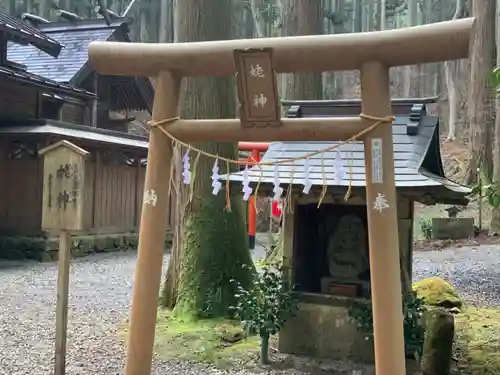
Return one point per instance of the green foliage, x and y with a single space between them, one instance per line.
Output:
495 79
214 250
266 305
360 313
274 251
492 194
426 228
21 248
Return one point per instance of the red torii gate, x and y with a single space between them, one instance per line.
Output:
255 149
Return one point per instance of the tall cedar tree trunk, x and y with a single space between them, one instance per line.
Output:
410 86
450 73
166 27
256 7
44 9
178 197
303 17
495 213
479 100
214 244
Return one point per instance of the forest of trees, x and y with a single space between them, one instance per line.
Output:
467 103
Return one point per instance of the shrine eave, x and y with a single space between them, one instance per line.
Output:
418 166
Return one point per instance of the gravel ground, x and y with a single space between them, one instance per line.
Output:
99 302
474 271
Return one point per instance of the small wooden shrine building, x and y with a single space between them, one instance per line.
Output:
48 93
326 248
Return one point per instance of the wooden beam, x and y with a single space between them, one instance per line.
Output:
434 42
299 129
381 203
64 256
152 232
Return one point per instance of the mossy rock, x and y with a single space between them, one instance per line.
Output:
438 343
437 292
230 333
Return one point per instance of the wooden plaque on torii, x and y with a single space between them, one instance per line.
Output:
257 88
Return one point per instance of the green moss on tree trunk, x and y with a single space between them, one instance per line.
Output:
214 253
214 246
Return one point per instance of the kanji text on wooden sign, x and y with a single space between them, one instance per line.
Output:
257 89
63 188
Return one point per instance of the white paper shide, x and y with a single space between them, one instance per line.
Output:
277 189
186 173
338 167
216 184
247 190
307 176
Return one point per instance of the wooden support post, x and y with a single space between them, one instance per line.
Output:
383 225
64 255
152 232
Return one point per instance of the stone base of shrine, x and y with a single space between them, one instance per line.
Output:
322 328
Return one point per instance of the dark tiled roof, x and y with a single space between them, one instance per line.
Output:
48 127
75 39
414 166
30 78
20 33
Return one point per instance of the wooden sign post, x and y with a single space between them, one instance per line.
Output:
371 53
63 206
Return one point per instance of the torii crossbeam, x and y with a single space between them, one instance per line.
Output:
372 53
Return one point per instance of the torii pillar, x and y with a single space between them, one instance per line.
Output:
373 54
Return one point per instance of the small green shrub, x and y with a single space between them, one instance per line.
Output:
426 228
360 313
21 248
266 306
492 193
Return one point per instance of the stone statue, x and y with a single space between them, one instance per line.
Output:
346 251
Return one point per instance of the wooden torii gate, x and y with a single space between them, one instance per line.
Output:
373 54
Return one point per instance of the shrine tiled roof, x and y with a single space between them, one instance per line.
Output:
58 87
72 131
20 33
75 38
417 156
128 93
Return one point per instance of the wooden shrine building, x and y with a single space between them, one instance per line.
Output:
117 96
48 93
326 249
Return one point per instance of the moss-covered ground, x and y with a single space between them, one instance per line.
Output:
478 341
218 342
477 350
